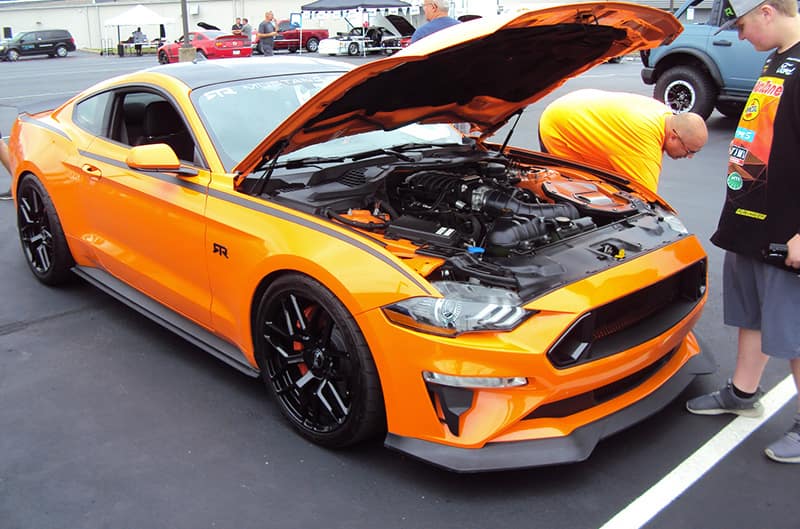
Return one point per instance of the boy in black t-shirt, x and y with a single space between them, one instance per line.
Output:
761 207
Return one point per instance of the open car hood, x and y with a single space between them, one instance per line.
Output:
402 25
481 72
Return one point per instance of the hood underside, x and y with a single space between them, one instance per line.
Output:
481 72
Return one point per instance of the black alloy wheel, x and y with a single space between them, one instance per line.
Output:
316 362
40 233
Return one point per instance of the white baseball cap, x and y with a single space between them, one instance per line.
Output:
737 9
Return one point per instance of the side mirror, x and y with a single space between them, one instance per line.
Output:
157 157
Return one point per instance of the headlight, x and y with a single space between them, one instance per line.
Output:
676 224
464 308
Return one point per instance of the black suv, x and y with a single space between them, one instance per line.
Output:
52 42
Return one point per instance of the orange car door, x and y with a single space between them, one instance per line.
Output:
148 228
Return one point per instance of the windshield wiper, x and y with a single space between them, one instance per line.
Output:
311 160
377 152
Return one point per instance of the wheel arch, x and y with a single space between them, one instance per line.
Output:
350 292
688 57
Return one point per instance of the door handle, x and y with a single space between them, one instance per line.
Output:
92 171
726 43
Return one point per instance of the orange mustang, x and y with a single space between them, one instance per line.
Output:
328 230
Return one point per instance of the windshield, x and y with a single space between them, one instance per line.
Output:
239 115
379 139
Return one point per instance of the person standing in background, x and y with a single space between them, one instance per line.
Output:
139 38
247 30
266 34
236 28
436 14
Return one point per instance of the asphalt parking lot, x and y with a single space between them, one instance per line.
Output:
107 420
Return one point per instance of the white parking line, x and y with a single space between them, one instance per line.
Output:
646 506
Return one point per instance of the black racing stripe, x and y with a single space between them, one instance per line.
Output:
361 245
269 210
168 178
26 118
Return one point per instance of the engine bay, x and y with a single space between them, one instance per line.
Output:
455 213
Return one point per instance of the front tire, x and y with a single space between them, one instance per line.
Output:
162 58
686 89
315 361
13 55
43 242
312 45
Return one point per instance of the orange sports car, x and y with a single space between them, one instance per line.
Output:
330 230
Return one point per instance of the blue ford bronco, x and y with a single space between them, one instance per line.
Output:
700 71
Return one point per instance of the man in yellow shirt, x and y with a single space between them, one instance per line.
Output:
621 132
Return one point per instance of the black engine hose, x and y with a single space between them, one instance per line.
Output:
497 202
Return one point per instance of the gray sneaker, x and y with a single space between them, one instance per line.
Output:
726 401
6 195
787 448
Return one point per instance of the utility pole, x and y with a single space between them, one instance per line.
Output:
185 53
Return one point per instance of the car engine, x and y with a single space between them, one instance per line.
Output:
516 223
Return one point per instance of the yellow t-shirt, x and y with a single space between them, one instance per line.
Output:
620 132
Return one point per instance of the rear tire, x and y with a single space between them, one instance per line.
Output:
316 363
686 89
352 49
43 242
61 51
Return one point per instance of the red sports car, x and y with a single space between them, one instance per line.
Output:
210 44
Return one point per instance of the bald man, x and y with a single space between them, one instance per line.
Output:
623 133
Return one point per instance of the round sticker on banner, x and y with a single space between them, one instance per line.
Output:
735 181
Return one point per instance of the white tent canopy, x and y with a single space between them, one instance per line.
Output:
138 15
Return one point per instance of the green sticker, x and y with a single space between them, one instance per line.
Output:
735 181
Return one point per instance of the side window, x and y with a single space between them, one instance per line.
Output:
143 118
90 114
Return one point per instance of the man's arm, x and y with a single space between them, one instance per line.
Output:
4 155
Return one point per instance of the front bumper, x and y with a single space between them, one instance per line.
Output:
572 448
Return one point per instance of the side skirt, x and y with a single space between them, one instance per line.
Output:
167 318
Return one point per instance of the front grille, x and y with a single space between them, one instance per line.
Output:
584 401
631 320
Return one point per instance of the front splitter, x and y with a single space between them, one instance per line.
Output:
572 448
